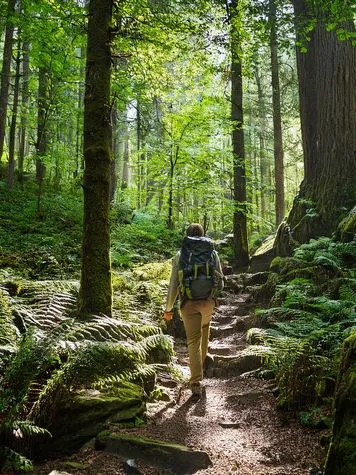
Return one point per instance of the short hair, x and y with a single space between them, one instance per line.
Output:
195 229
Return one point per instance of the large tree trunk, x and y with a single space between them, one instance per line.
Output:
277 121
327 78
5 72
95 288
341 459
241 257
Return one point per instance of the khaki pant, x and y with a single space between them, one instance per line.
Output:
196 315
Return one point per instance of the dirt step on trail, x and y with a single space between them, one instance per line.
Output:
235 422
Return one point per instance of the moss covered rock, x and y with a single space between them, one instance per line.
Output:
263 256
167 455
88 413
341 459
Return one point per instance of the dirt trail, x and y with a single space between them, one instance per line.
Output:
235 422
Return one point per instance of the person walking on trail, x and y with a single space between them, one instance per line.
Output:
197 278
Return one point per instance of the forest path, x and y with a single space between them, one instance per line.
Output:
235 422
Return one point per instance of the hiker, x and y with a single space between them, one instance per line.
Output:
196 277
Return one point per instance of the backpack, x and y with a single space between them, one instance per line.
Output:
197 268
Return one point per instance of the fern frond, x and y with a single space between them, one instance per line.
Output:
157 342
307 251
256 335
16 461
9 334
276 314
29 429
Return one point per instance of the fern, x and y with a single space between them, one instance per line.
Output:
256 336
306 252
10 459
9 334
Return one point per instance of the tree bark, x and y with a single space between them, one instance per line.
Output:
341 459
124 147
114 161
327 78
277 120
264 167
42 118
95 288
24 109
172 163
5 72
11 167
241 257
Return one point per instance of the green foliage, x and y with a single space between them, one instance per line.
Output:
310 318
40 246
315 418
9 334
21 369
146 239
12 460
59 355
335 252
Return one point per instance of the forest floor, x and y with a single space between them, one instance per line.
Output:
236 421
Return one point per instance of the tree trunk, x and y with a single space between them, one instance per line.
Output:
277 121
125 147
241 257
5 72
341 459
95 288
264 168
170 190
42 135
24 109
327 78
11 168
138 158
114 161
79 129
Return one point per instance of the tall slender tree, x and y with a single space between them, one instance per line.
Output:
241 256
277 119
95 286
5 72
11 166
24 108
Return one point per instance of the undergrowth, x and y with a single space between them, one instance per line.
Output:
46 354
311 313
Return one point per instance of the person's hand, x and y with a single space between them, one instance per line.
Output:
168 315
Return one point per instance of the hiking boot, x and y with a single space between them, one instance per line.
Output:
196 388
208 366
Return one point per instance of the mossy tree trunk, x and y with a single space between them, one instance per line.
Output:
24 109
5 72
261 137
241 257
42 131
12 134
277 119
95 289
341 459
327 78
